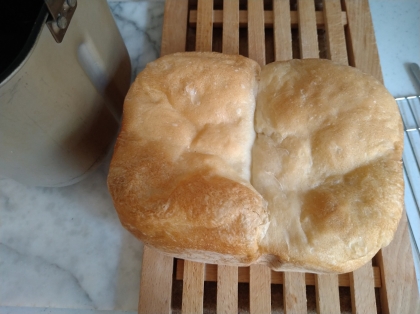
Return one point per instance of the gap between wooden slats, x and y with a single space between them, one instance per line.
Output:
204 25
193 288
268 18
308 37
276 277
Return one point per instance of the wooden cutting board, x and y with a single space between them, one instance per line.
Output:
267 31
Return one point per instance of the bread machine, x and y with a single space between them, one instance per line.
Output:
64 72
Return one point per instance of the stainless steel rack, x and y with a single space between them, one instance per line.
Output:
410 113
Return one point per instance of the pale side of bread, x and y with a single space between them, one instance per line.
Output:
325 166
180 173
327 159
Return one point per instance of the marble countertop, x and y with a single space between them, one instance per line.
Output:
63 250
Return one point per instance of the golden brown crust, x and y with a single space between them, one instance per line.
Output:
326 162
327 159
180 172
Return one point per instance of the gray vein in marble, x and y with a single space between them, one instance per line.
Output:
48 264
140 25
74 252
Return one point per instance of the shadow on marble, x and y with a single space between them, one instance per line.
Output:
65 247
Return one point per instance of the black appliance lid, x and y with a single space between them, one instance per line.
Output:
20 24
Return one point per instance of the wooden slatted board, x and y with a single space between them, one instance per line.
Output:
266 31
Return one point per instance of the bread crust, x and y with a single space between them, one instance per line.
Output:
327 158
180 172
319 189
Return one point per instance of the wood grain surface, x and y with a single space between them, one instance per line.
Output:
227 289
193 288
327 295
349 39
268 18
256 34
363 52
362 290
308 37
276 277
259 289
259 281
334 30
156 282
294 293
174 28
204 38
399 293
230 36
282 30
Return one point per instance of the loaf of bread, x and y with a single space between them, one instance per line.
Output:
296 166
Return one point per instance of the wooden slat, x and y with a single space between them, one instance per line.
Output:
156 282
327 296
256 34
204 35
399 293
362 280
227 289
308 37
174 29
259 289
230 35
268 18
259 281
362 290
282 30
334 30
276 277
193 288
363 52
294 293
156 274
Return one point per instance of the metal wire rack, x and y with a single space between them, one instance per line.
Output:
410 113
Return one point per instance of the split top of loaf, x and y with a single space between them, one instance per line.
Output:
296 166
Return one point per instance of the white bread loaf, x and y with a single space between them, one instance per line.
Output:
319 188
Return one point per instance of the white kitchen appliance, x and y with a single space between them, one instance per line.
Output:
64 73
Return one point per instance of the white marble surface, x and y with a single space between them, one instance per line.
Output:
62 250
140 24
